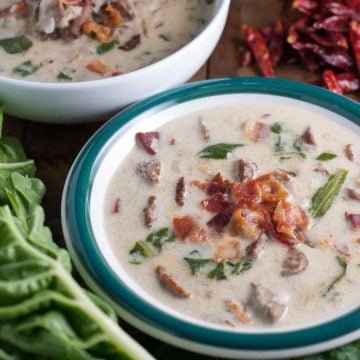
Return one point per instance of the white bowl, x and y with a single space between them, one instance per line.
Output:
97 100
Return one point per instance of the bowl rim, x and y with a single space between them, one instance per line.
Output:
221 7
80 239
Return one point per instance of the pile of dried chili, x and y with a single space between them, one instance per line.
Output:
323 35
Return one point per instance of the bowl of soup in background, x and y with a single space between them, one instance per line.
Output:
103 218
76 102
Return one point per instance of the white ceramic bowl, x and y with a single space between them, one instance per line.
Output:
98 99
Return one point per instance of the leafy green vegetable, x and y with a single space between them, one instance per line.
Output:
218 151
196 264
139 252
16 45
324 197
326 156
276 128
25 69
344 268
219 272
44 313
165 37
159 237
63 76
106 47
241 266
297 147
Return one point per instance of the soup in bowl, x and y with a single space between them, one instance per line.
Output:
224 216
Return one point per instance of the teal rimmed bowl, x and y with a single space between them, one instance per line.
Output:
82 219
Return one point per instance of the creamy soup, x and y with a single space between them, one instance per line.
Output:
79 40
244 216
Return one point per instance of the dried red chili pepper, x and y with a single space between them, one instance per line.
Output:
260 50
276 42
331 39
355 41
246 57
333 23
307 7
348 82
331 82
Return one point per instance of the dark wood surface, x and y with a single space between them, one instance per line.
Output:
54 147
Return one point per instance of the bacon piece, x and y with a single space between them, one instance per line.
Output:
131 43
114 16
238 311
353 194
271 189
283 175
204 131
340 249
149 141
215 203
180 192
218 184
170 284
149 216
229 251
246 191
80 21
264 302
246 170
125 9
251 222
199 184
295 262
97 67
102 32
256 131
308 137
321 169
117 206
172 142
354 220
222 219
349 152
185 227
256 249
150 170
289 218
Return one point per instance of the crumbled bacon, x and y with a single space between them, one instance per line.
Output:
238 311
246 191
249 221
289 218
117 206
114 15
256 249
308 137
149 212
264 302
321 169
186 227
97 67
150 170
246 170
342 249
349 152
218 184
353 194
79 22
102 32
256 131
125 9
131 43
216 203
270 188
199 184
354 220
180 192
204 131
222 219
170 284
229 251
295 262
149 141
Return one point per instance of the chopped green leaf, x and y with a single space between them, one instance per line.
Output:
139 252
165 37
196 264
106 47
344 268
159 237
219 273
218 151
279 147
62 76
16 45
326 156
241 267
25 69
297 147
324 197
276 128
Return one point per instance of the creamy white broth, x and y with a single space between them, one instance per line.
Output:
302 293
164 26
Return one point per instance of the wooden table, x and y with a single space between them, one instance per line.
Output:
54 147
